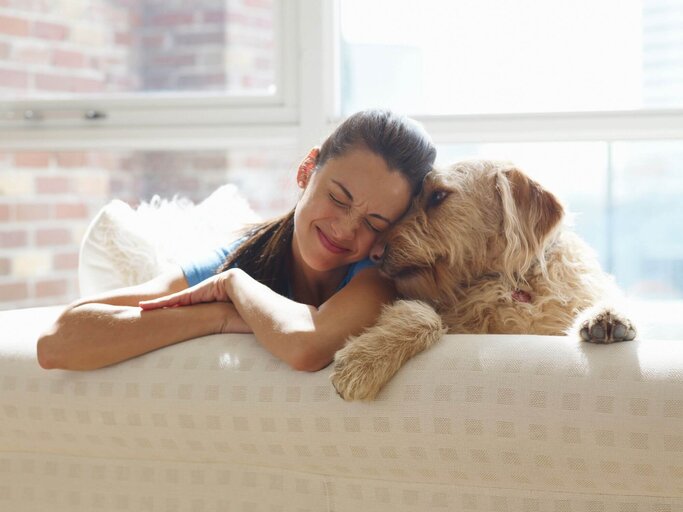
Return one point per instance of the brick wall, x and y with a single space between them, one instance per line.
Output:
68 46
97 46
47 200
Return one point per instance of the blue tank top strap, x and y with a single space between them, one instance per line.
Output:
354 268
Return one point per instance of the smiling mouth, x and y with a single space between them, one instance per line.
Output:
329 244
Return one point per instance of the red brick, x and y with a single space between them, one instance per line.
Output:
52 185
174 60
54 236
32 55
72 159
171 19
71 211
214 17
33 159
209 162
32 211
52 31
4 50
13 291
5 266
155 41
13 239
51 287
68 59
13 26
63 83
66 261
200 38
14 79
4 212
123 38
187 81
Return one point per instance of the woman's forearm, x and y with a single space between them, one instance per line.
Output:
95 335
287 329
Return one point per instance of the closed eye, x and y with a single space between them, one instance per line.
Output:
338 202
369 224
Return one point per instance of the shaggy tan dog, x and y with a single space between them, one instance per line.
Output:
481 250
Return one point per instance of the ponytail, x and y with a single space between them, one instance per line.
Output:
265 254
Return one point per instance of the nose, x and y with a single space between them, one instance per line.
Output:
345 227
377 251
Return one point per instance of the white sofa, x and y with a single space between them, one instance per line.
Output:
478 423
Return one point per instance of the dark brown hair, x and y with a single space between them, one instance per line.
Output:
403 145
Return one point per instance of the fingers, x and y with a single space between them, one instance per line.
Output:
160 302
210 290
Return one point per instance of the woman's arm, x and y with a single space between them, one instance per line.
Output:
303 336
108 328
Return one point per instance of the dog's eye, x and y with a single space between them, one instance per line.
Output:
437 198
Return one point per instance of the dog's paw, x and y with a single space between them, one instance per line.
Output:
604 325
355 376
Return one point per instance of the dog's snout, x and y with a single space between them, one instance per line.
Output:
377 252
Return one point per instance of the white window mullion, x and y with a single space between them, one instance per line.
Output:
570 126
317 26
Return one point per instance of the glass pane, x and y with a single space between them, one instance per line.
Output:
626 205
648 218
122 46
47 200
469 57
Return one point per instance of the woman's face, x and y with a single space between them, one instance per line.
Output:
347 203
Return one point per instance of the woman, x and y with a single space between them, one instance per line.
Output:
301 283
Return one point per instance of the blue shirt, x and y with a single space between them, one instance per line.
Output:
199 269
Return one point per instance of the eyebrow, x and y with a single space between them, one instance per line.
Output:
348 194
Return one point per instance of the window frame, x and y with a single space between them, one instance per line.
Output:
302 111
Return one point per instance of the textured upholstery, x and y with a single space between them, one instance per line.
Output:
478 423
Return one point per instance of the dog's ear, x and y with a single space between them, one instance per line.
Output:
538 211
530 213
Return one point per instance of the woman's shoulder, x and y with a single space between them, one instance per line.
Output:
354 269
205 264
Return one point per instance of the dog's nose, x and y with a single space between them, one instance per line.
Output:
377 252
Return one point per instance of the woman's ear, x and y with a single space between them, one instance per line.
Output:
306 167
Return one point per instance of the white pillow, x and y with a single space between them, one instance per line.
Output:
124 247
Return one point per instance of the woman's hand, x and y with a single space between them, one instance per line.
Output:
213 289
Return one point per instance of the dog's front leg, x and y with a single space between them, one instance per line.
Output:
369 360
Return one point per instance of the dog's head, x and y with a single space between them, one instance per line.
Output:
471 219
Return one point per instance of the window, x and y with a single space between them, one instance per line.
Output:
623 199
72 49
469 57
585 96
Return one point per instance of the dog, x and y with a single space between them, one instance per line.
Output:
482 249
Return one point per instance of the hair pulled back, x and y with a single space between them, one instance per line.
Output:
400 141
